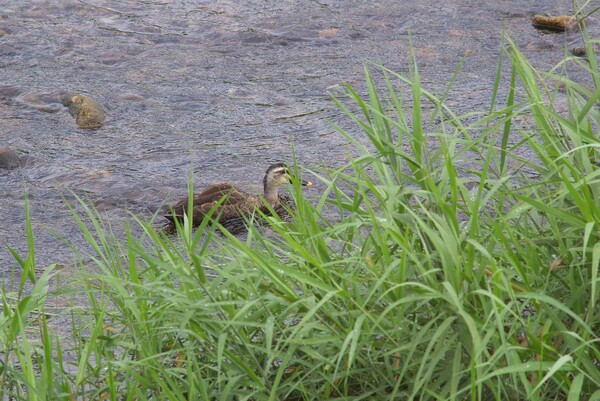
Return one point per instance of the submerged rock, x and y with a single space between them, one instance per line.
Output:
9 159
88 113
558 23
583 51
579 51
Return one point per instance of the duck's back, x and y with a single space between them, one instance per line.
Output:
232 203
215 192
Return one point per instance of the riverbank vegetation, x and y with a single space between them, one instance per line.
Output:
455 257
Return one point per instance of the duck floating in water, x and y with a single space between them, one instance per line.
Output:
233 203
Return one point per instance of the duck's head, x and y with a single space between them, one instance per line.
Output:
278 174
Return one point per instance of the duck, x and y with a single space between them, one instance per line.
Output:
230 202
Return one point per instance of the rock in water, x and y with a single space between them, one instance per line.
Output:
558 23
9 158
88 113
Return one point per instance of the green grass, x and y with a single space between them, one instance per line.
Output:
414 276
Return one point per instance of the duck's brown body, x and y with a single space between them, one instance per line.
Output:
230 202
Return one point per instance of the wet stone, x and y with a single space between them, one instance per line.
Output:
558 23
133 97
45 102
9 159
9 92
583 52
579 51
7 50
88 113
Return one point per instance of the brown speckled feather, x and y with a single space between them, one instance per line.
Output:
235 203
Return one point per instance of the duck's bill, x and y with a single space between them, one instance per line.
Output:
306 183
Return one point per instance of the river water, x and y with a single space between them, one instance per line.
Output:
220 88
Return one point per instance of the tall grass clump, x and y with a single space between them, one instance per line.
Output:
448 260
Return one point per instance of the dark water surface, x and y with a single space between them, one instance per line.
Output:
221 87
